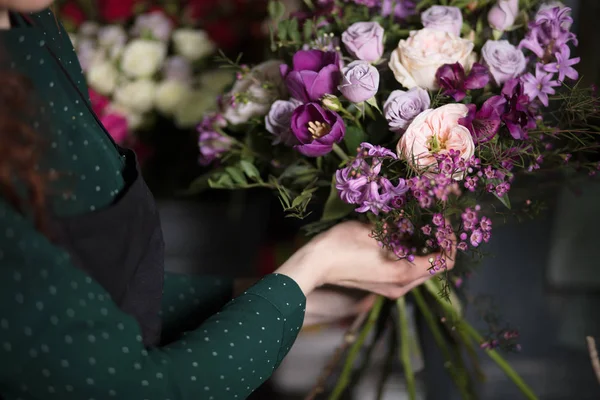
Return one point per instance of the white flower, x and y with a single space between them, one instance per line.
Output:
102 76
88 28
134 118
157 24
170 95
191 111
137 95
112 35
192 44
143 58
253 95
416 60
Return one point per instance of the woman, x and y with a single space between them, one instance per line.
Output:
81 256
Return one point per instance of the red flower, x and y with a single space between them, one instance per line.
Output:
117 10
72 13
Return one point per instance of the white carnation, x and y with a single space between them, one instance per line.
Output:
143 58
192 44
170 95
137 95
102 76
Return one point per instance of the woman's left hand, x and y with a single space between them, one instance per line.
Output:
326 306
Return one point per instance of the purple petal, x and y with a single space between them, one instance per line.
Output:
284 69
297 83
324 83
308 60
313 149
478 77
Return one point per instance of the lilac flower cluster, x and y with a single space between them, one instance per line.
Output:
476 230
361 183
548 38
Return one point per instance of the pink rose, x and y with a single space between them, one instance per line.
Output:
502 15
435 131
364 40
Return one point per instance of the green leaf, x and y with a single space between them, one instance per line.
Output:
250 170
276 10
504 200
308 29
282 29
237 175
335 208
224 181
353 138
293 31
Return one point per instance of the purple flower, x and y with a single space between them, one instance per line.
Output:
314 74
503 60
476 237
278 121
443 18
177 68
549 32
351 182
360 81
563 65
502 15
364 40
452 79
316 129
212 144
402 8
516 113
484 124
157 24
540 85
401 108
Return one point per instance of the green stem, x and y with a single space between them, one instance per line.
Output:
405 348
344 379
493 354
502 363
340 153
439 339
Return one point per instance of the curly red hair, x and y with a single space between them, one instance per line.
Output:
22 185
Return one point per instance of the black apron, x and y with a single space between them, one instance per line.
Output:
121 246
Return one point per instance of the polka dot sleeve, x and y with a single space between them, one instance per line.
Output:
61 336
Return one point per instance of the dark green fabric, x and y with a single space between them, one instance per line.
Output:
61 336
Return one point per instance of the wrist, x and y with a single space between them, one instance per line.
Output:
308 271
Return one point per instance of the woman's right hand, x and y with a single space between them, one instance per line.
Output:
347 256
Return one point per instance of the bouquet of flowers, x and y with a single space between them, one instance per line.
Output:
417 118
146 72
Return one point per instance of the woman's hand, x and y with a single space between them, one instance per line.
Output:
347 256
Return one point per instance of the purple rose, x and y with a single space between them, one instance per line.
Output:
443 18
278 121
364 40
212 144
504 61
316 129
360 81
315 73
402 107
503 14
402 8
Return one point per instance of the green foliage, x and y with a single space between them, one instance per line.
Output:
354 137
335 208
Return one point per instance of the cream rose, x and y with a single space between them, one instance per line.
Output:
143 58
192 44
253 95
436 131
170 95
137 95
102 76
416 60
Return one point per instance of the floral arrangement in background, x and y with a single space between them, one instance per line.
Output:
148 70
418 118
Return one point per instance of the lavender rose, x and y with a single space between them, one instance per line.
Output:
401 108
360 81
316 129
364 40
443 18
278 121
314 74
503 60
503 14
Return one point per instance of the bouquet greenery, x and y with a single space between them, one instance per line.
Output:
408 115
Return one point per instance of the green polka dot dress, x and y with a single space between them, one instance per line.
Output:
61 335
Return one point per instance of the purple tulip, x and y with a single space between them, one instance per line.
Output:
316 129
360 82
315 73
453 80
364 40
